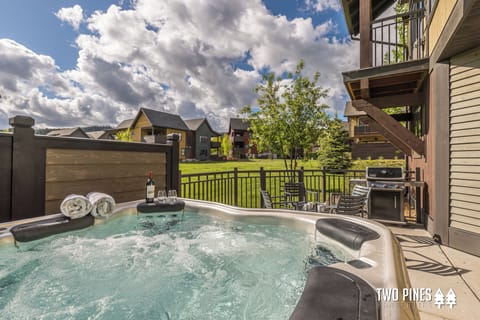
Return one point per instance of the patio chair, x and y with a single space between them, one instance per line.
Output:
349 205
267 199
358 191
295 194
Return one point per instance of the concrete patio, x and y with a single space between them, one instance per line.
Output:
434 266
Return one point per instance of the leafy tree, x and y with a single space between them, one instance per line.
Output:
334 146
289 116
226 145
124 135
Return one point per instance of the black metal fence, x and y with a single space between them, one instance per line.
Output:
242 187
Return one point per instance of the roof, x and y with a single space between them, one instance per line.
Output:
99 134
350 111
125 124
194 124
66 132
351 12
162 119
239 124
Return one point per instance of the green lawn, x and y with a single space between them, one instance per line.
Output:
217 166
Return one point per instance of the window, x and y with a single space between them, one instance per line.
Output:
204 139
183 152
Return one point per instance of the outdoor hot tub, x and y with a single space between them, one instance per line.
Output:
209 261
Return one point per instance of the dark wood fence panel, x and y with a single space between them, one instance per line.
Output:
46 169
122 174
5 176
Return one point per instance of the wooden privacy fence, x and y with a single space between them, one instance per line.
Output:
242 187
37 172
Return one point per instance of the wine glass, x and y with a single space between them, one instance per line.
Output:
162 196
172 196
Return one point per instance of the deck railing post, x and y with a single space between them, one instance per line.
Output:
418 197
180 186
172 139
235 186
301 191
263 185
324 184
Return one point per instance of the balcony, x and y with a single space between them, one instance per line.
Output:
398 38
214 144
365 130
238 139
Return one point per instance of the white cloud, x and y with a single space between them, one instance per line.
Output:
322 5
172 55
72 15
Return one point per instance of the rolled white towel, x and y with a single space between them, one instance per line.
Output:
75 206
103 204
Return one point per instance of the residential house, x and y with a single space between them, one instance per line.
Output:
153 126
238 131
367 141
432 68
124 125
200 138
101 135
69 132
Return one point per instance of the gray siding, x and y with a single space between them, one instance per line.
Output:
465 142
202 149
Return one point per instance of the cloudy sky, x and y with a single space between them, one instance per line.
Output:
72 63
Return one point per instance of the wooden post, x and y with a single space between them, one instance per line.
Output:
365 16
235 186
5 177
28 171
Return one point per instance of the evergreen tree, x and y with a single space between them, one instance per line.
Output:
334 146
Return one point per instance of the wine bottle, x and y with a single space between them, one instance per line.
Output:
150 194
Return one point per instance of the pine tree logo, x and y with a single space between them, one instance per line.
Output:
439 298
451 298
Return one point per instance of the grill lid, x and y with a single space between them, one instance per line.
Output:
384 173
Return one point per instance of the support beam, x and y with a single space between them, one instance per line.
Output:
391 138
394 128
364 88
402 117
409 99
365 17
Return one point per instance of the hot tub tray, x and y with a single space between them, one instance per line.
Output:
157 207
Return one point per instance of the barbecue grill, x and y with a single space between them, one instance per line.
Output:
387 194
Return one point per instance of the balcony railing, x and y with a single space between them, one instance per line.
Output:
215 144
238 139
364 130
398 38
